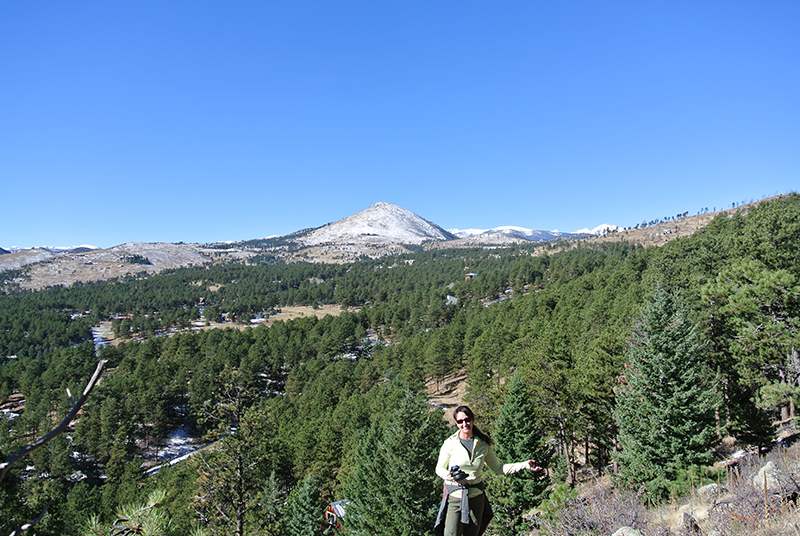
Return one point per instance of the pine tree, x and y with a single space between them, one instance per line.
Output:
517 438
271 505
393 490
234 475
145 519
665 407
305 511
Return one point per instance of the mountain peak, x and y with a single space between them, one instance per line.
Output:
380 223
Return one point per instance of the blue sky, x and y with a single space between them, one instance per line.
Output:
210 121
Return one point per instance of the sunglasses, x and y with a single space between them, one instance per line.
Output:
462 421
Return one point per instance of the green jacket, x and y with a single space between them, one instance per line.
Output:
454 453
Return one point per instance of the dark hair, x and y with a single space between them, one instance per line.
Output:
475 430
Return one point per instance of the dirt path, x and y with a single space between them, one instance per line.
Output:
448 393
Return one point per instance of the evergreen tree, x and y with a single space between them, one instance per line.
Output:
438 360
393 490
145 519
665 408
753 322
516 438
270 501
305 511
233 475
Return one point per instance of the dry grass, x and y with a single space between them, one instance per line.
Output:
449 392
303 311
739 507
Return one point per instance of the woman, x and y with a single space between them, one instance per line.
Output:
465 509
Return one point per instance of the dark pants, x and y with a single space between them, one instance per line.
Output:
452 523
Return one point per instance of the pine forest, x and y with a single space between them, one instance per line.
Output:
642 368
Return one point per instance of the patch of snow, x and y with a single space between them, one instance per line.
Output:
179 442
178 447
101 335
16 260
600 229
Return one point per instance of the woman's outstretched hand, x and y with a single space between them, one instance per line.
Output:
533 465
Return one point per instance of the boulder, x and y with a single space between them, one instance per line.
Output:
711 492
627 531
779 482
688 524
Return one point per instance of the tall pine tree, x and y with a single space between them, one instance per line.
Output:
516 438
665 407
305 510
394 490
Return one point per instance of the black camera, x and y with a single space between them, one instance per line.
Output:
457 474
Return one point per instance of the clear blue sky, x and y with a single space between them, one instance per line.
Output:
210 121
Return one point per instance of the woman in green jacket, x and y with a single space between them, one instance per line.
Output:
465 510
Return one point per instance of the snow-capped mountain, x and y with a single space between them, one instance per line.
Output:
533 235
380 223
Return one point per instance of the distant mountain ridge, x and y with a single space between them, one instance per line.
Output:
55 249
382 222
377 231
534 235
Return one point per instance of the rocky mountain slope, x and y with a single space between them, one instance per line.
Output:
38 268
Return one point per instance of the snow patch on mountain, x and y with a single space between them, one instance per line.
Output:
17 259
600 229
54 249
380 223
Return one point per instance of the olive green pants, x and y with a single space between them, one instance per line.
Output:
452 521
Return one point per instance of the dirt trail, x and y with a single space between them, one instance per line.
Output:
448 393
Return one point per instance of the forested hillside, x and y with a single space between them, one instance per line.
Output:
305 412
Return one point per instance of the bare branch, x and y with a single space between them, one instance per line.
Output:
76 406
4 467
26 526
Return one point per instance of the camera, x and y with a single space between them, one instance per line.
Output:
457 474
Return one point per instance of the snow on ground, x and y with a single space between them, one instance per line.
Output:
179 442
179 445
101 335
